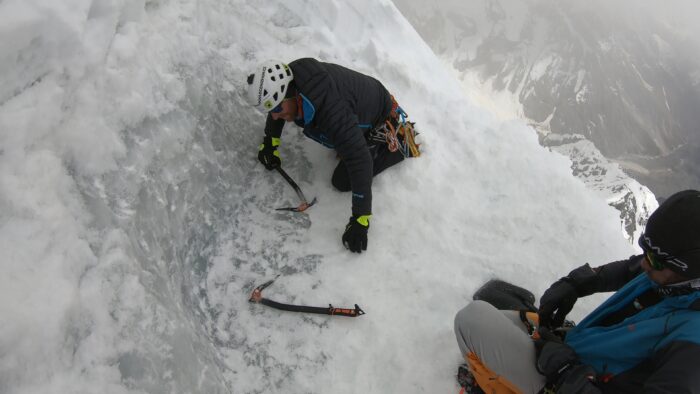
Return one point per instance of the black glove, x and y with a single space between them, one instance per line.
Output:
355 235
562 295
580 379
552 352
559 363
268 154
560 298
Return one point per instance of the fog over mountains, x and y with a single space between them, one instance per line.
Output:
625 76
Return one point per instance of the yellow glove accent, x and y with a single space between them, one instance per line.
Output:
364 220
275 143
276 153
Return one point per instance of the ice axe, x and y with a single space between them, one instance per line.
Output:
304 205
256 297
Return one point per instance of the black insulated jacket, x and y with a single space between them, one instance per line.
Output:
340 105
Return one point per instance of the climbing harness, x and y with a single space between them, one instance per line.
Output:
396 132
257 297
304 205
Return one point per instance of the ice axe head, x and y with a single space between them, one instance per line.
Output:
256 295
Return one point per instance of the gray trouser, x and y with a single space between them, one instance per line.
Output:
500 340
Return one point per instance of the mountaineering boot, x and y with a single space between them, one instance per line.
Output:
466 381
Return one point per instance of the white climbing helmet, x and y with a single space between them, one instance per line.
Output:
268 85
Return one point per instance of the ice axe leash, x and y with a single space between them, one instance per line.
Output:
304 205
257 297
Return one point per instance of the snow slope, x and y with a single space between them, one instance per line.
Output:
135 219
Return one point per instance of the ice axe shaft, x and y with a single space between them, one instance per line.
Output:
305 204
257 297
294 185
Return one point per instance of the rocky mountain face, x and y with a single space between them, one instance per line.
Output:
616 87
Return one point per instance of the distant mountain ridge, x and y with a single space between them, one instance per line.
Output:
629 85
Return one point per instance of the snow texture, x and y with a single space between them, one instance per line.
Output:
135 219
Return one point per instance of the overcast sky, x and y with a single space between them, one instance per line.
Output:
682 14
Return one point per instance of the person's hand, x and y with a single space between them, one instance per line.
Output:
355 235
552 353
268 154
556 303
560 364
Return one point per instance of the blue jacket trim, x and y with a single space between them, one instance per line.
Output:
309 112
308 109
617 348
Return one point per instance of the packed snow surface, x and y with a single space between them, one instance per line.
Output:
135 219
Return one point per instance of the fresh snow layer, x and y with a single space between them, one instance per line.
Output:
135 219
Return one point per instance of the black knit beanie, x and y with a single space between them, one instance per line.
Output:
673 233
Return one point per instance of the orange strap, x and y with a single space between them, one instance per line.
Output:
403 129
488 380
394 106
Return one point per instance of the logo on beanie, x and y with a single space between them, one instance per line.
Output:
665 257
683 266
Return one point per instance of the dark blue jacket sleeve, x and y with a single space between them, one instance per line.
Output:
608 277
273 128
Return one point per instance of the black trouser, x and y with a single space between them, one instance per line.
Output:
382 159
